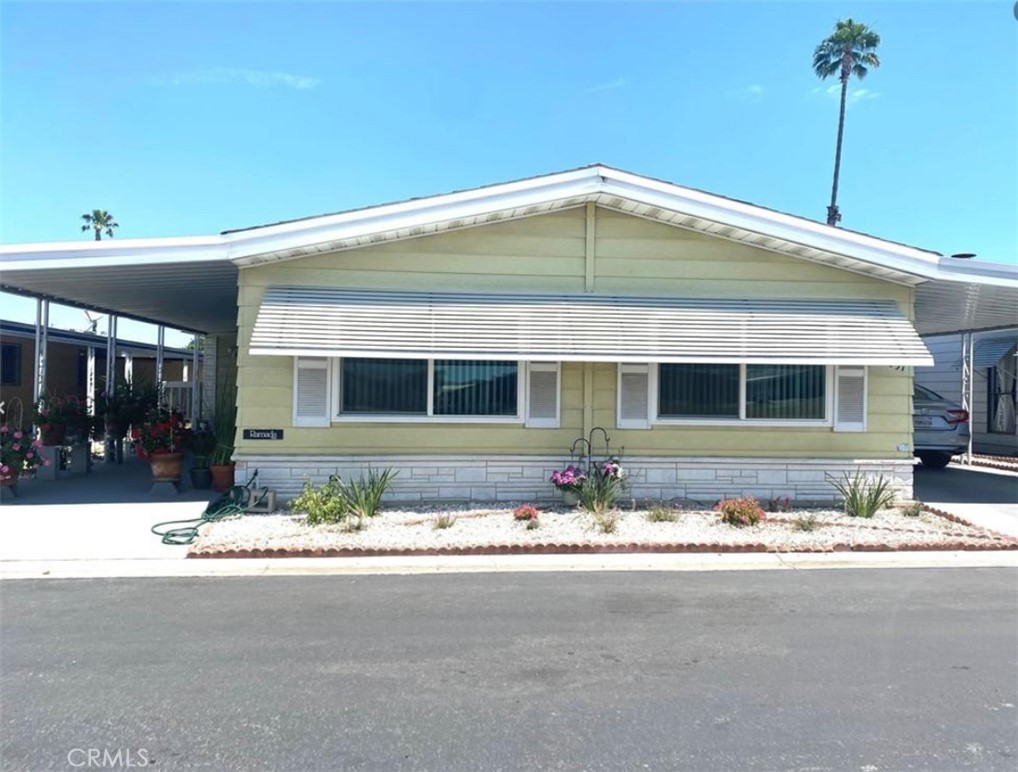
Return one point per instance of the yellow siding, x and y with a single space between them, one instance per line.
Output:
549 254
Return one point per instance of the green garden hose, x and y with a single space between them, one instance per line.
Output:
234 502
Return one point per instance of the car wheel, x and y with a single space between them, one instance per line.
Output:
935 460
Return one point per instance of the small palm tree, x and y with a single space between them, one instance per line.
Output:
100 221
848 51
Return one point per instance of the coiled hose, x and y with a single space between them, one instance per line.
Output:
234 502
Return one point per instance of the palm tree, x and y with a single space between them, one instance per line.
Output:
99 220
849 51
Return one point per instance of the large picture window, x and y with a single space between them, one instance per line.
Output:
698 391
786 392
722 392
429 388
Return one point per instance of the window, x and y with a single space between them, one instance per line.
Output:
732 392
10 364
457 389
476 388
698 391
384 386
786 392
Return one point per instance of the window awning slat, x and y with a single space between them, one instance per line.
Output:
593 328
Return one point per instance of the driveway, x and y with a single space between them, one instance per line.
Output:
986 497
805 670
105 515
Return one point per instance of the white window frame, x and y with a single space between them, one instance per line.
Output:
429 417
742 420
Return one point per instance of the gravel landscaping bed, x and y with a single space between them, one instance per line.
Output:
494 531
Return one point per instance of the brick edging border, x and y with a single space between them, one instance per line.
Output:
605 549
991 462
962 521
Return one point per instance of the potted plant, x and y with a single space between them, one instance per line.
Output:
54 415
224 427
569 481
19 455
126 404
202 443
163 436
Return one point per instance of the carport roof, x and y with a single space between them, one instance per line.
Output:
191 283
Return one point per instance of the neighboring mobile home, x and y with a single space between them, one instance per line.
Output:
68 363
469 339
994 393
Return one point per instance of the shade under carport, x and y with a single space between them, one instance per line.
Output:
295 321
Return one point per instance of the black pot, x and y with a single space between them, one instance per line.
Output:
201 479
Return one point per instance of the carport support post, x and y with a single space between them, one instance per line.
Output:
195 395
37 364
966 389
41 350
160 345
110 385
129 367
90 382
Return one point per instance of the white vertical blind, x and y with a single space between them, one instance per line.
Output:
850 399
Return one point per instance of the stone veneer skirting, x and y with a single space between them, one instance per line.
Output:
425 479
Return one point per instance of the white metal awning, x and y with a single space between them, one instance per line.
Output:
990 349
591 328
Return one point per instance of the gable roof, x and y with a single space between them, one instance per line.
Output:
84 273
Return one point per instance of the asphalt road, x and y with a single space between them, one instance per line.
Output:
847 670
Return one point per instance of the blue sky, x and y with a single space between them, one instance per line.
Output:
193 118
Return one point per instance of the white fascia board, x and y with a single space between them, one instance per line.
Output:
94 254
257 246
976 272
772 224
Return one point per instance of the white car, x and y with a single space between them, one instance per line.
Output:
940 428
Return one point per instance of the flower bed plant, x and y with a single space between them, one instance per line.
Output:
19 454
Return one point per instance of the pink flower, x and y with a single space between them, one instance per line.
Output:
18 435
46 462
4 469
30 454
15 447
3 429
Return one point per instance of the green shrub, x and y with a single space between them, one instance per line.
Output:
602 488
740 512
805 523
862 496
444 520
911 508
323 504
662 515
362 497
533 524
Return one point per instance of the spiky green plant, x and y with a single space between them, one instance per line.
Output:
863 496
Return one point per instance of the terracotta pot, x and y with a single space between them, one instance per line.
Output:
10 479
166 467
222 477
52 434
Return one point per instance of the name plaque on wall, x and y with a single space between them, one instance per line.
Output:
263 434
